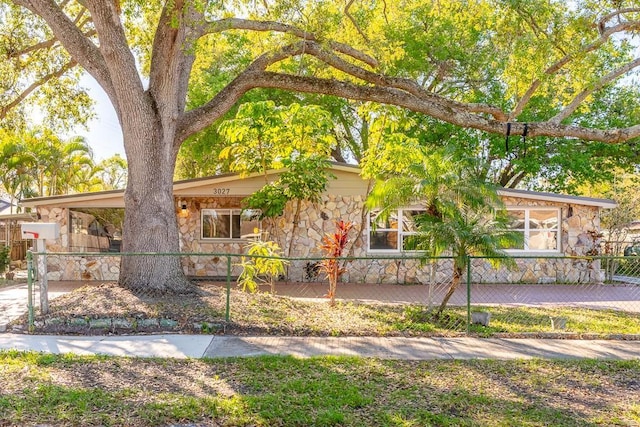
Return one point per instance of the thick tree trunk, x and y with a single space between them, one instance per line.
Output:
150 224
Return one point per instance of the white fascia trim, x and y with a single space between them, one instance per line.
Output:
558 198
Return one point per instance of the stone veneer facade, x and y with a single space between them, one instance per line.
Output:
319 218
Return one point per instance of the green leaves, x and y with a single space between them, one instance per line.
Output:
304 179
37 73
38 162
262 265
270 200
263 136
462 216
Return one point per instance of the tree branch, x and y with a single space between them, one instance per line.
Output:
35 85
604 80
603 21
200 118
44 45
196 120
246 24
51 42
353 21
457 116
558 65
512 179
407 85
83 51
172 58
120 62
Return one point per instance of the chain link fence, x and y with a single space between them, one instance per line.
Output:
384 294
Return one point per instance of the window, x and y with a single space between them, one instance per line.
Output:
95 230
394 234
540 228
229 223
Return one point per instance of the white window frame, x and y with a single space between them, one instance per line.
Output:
527 230
401 234
231 212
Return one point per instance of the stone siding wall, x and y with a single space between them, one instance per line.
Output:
318 219
190 239
72 267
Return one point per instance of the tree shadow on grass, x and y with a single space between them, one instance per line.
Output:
274 390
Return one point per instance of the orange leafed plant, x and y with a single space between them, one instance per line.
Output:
333 245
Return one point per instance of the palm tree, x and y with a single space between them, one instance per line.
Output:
16 166
463 233
63 166
463 213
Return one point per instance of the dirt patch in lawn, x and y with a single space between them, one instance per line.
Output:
300 310
108 308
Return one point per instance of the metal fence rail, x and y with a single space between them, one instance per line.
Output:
534 295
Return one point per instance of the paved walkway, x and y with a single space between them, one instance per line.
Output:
199 346
13 299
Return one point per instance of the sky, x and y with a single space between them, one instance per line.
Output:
104 134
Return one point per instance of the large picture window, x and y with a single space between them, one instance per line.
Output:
540 228
394 234
229 224
95 230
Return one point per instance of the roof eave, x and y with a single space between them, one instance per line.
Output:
558 198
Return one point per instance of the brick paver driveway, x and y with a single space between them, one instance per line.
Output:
616 296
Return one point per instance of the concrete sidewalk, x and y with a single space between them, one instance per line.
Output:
199 346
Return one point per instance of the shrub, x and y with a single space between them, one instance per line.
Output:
263 265
333 246
5 258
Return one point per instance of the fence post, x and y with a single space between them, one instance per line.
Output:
41 260
30 288
468 294
228 309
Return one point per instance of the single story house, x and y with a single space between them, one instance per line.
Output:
10 234
211 221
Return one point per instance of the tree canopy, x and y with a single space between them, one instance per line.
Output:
531 69
477 64
454 52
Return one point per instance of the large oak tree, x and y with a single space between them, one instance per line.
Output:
522 67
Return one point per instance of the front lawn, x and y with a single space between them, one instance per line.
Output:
38 389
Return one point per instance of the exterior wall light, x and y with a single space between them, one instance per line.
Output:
184 211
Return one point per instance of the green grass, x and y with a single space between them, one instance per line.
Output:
267 314
330 391
504 320
579 320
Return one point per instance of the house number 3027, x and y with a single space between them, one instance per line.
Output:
221 191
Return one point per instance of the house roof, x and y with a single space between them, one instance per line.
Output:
190 188
202 186
95 196
558 198
5 206
6 212
177 185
